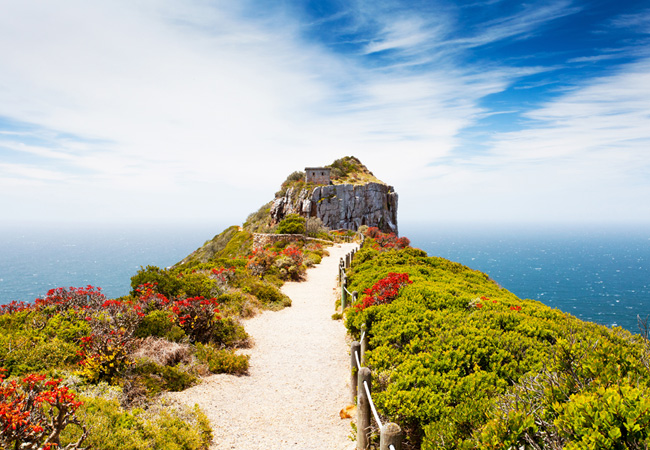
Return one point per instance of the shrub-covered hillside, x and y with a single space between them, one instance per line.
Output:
459 362
78 369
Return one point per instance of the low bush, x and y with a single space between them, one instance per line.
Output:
461 363
159 378
164 426
222 360
292 224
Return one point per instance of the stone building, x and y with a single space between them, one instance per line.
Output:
317 175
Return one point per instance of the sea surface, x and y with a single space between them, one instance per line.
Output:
600 274
34 260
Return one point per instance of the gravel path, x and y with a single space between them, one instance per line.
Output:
298 379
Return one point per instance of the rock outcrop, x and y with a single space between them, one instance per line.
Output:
342 206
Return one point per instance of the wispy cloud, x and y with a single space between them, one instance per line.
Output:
522 24
157 105
640 21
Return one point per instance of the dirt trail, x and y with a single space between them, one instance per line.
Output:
298 379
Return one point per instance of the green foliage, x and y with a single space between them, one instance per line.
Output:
166 283
158 378
222 360
159 323
259 221
230 243
32 342
349 169
228 332
298 175
267 293
610 417
112 427
345 166
453 345
292 224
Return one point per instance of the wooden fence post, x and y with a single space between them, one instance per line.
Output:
354 371
344 295
363 409
364 347
391 434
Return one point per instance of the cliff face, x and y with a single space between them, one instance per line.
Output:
342 206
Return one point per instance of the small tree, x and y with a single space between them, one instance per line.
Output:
314 226
292 224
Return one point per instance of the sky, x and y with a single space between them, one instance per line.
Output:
195 111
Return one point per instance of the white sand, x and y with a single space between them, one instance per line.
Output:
298 379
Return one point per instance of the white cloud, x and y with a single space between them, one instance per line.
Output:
585 159
162 109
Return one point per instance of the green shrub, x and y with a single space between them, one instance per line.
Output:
453 347
112 427
157 378
154 323
312 259
166 283
237 303
25 352
292 224
267 293
222 360
68 327
229 333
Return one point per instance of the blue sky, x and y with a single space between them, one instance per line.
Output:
174 111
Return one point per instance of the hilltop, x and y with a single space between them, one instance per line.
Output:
352 198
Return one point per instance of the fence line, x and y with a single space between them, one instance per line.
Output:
390 434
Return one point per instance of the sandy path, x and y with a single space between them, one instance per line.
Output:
298 379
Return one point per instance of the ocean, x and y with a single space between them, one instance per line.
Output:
34 260
598 274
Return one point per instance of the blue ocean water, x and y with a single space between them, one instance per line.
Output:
35 260
597 274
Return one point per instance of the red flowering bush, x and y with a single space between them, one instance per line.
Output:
61 299
384 291
222 275
34 412
386 240
290 263
105 352
198 317
105 356
14 307
149 298
260 261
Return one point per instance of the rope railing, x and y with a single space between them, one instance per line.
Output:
390 434
372 405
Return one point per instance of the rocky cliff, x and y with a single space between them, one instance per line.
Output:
340 206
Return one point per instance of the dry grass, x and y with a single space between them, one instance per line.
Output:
163 352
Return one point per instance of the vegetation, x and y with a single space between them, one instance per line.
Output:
459 362
176 325
349 170
292 224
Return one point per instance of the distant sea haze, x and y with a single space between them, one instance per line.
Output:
597 274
